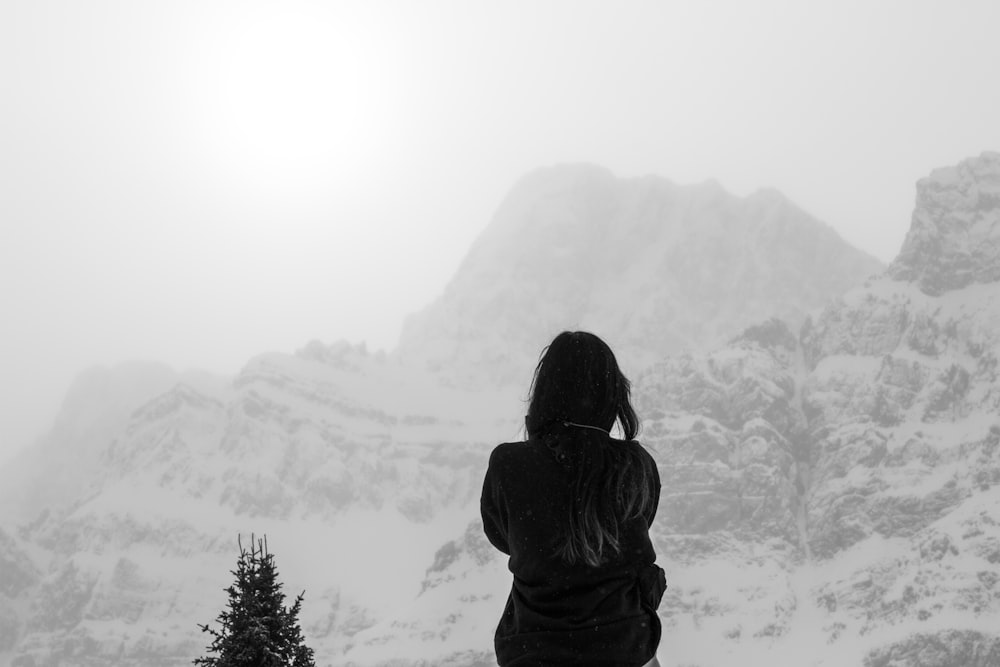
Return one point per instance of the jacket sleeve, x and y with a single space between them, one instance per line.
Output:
655 481
493 508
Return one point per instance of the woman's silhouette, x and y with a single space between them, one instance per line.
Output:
572 507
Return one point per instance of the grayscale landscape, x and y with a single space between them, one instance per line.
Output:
284 269
829 459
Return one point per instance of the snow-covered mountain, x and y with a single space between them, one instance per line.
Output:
357 470
832 494
653 267
95 410
831 489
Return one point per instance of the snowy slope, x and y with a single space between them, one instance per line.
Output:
830 497
344 460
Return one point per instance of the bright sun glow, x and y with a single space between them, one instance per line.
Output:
291 95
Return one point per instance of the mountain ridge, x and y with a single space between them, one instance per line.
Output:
830 485
571 245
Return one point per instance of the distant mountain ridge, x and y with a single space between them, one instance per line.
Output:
832 494
96 408
653 267
830 489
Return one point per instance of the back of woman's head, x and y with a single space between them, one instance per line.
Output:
578 380
577 394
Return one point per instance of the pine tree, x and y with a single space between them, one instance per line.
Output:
258 630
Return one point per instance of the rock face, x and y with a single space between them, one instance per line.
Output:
969 649
18 576
342 458
725 427
652 267
954 239
831 490
854 466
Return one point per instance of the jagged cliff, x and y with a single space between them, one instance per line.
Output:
831 489
954 239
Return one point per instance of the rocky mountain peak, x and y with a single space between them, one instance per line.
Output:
653 267
954 238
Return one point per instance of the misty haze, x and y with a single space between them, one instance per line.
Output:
286 269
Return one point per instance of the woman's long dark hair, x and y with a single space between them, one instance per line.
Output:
577 395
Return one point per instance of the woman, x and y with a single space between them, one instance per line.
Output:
572 507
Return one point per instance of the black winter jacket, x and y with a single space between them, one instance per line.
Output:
558 613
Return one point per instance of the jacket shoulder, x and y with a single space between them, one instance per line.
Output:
643 451
507 451
645 455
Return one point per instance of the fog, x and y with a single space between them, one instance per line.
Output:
195 183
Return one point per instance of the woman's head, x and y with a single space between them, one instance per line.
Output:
578 380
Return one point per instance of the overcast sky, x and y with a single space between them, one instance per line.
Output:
195 182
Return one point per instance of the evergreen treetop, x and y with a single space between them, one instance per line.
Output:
257 629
